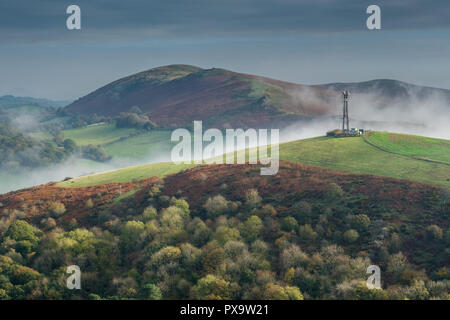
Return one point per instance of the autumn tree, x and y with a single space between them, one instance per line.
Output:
211 287
333 192
251 228
350 236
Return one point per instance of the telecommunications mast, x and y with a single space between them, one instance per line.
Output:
345 124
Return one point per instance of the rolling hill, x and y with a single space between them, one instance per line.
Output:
354 154
410 145
176 95
361 155
226 232
388 88
12 101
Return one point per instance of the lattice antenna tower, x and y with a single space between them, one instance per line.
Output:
345 121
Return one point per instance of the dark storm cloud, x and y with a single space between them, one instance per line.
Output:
30 20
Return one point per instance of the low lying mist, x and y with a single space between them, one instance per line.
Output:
412 113
71 168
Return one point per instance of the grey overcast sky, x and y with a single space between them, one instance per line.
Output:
303 41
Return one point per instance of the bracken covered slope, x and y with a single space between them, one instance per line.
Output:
176 95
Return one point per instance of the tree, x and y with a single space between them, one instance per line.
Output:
397 263
251 228
273 291
216 206
190 255
130 235
358 290
360 222
211 287
302 209
154 192
418 291
333 192
184 206
294 257
149 213
293 293
23 275
234 249
76 242
172 219
350 236
306 233
166 255
224 234
134 120
434 233
199 231
151 292
252 199
213 259
20 230
267 210
395 243
57 209
289 275
96 153
289 224
69 145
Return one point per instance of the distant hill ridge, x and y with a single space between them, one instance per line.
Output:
10 100
388 88
176 95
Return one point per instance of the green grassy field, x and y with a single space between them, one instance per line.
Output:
97 134
118 142
123 175
410 145
143 145
351 154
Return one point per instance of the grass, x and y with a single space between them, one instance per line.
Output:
354 155
97 134
351 154
160 169
118 142
125 195
410 145
259 89
155 142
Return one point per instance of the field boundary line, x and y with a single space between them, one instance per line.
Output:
404 155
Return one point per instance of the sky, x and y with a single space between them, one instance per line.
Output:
302 41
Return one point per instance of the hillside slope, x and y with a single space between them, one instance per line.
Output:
226 232
414 146
355 155
352 154
176 95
